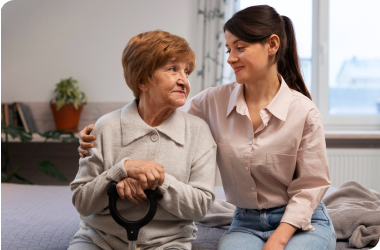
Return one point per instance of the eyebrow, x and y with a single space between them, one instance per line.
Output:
175 61
237 40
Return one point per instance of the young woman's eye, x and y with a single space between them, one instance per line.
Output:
240 48
228 51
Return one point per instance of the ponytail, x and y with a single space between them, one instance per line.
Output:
257 24
288 65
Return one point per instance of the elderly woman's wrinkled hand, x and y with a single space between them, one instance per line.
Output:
131 189
149 173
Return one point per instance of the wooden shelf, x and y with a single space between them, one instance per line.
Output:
36 138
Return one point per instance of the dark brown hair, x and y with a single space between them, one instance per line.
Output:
148 51
256 24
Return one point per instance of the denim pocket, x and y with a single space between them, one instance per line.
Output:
238 211
321 217
324 210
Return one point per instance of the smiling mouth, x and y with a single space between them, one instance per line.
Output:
179 92
237 69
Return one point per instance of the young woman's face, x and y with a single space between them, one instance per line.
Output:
250 61
171 84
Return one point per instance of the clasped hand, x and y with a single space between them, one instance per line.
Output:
141 175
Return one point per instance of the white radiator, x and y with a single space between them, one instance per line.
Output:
360 165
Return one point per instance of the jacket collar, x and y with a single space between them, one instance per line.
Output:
134 127
279 106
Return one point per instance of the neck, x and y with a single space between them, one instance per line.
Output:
153 115
262 90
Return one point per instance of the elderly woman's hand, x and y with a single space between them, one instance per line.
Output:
131 189
84 138
149 173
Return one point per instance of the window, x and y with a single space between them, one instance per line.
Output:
347 65
354 59
340 59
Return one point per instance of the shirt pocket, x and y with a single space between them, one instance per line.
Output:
281 167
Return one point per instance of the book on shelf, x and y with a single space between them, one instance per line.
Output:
18 114
6 114
10 114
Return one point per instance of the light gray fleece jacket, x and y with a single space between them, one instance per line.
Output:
183 144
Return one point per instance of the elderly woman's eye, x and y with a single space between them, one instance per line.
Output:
172 68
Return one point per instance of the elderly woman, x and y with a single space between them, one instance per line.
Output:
145 144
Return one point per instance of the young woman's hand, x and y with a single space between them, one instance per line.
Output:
149 173
131 189
84 139
273 245
280 237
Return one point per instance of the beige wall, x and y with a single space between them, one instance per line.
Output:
44 41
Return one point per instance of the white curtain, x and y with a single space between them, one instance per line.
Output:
212 14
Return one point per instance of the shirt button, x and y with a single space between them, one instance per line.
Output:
246 168
250 142
154 137
253 188
261 112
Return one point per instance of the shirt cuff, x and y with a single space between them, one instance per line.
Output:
117 172
168 180
298 215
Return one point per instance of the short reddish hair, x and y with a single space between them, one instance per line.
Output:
148 51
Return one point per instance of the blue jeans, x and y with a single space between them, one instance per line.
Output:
251 229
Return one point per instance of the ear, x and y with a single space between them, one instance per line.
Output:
274 44
143 86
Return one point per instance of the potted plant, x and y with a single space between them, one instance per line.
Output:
67 105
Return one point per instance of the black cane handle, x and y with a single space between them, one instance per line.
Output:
132 227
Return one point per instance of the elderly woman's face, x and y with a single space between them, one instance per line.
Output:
171 84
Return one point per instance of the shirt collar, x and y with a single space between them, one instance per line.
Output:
134 127
237 100
279 106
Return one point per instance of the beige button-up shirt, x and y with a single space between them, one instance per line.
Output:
283 162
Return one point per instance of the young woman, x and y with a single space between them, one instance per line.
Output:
270 137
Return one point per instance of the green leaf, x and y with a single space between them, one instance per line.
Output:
60 135
16 131
4 176
3 125
67 92
50 169
22 179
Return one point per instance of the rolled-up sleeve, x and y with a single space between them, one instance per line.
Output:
311 179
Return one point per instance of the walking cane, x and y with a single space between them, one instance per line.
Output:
132 227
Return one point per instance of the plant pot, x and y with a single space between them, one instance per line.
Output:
67 118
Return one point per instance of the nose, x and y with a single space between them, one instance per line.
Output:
183 79
231 58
